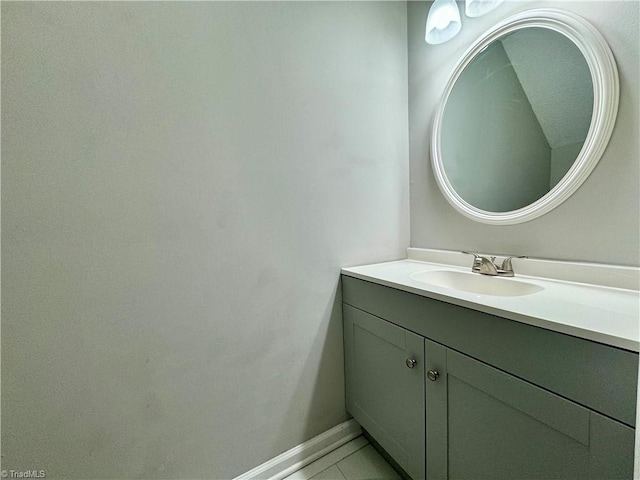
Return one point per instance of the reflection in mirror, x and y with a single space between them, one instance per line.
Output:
516 119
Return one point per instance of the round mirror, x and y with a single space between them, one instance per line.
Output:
525 117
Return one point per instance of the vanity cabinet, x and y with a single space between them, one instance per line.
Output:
486 424
487 397
384 367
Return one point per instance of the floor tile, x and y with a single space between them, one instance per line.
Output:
331 473
367 464
329 459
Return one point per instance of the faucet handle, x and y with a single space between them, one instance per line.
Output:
477 261
477 258
506 263
483 265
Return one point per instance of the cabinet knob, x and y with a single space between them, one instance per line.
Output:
432 375
410 362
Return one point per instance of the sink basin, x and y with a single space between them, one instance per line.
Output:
476 283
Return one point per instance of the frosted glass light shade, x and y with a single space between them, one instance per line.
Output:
443 22
477 8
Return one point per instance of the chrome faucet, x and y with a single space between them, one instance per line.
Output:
488 266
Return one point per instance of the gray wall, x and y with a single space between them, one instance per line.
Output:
181 183
599 223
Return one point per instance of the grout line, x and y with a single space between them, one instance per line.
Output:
310 470
338 466
344 474
341 472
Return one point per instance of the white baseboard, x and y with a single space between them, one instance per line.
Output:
301 455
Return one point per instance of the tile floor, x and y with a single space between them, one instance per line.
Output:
356 460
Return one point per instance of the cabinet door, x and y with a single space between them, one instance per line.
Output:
499 426
384 387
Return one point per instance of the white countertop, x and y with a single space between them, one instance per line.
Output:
601 313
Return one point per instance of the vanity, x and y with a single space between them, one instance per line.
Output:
459 384
461 367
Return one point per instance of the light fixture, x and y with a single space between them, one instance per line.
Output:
443 22
477 8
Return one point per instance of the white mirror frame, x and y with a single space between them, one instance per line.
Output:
604 75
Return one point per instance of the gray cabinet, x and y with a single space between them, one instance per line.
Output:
509 400
483 423
384 368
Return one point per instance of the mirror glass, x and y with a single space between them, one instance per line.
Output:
516 119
